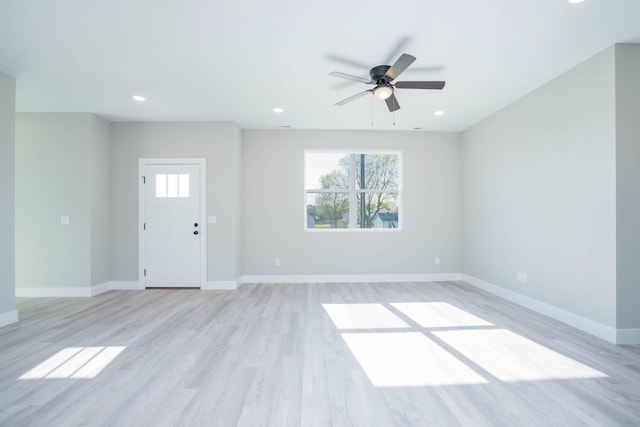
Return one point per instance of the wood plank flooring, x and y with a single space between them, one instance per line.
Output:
397 354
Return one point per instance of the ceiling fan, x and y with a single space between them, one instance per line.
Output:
383 76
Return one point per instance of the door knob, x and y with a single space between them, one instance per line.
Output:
195 232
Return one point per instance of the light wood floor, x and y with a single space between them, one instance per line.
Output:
430 354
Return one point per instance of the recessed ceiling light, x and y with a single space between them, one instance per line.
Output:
438 113
575 1
139 98
278 110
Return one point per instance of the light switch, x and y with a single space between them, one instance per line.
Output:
64 220
212 219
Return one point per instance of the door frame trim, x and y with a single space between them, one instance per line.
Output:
202 162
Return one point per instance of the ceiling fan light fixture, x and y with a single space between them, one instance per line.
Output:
383 92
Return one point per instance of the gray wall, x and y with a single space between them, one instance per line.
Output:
7 196
53 178
274 200
628 185
236 199
539 193
220 144
100 175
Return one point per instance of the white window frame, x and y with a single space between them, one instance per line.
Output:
353 192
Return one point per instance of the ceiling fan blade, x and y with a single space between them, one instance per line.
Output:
350 77
399 66
425 69
419 85
392 103
356 96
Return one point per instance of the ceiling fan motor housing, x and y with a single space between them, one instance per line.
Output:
377 73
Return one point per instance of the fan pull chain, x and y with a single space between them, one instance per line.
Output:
372 111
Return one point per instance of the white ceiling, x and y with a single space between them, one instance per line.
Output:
238 59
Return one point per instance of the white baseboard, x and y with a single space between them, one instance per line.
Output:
217 285
73 292
351 278
8 318
209 285
121 285
100 289
68 291
592 327
628 336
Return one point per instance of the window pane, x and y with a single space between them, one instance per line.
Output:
183 185
327 171
161 185
352 190
377 171
380 210
327 210
172 185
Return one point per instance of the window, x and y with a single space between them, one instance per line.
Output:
352 190
172 185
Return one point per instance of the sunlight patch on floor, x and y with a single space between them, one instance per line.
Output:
512 357
363 316
406 359
74 362
438 315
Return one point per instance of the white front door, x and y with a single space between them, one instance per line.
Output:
172 232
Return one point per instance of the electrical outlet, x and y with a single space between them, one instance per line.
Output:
437 260
519 276
524 277
277 262
64 220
